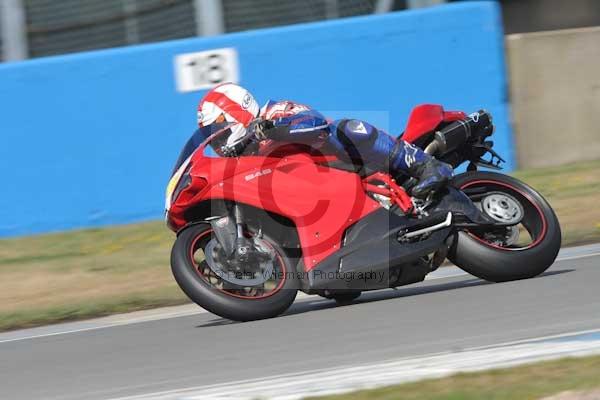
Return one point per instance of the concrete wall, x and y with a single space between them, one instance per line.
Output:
522 16
90 139
555 96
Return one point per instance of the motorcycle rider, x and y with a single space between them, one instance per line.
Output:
354 140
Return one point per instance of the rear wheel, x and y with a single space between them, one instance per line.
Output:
503 254
258 289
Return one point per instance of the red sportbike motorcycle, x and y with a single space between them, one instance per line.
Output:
253 230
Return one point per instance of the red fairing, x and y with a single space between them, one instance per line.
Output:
322 202
425 118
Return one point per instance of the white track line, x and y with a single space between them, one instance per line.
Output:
188 310
577 257
350 378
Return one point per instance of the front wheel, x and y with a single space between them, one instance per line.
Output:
244 292
504 254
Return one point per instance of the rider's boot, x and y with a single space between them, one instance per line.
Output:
433 176
430 173
462 207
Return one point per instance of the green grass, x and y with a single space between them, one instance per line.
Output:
574 193
534 381
94 272
83 309
89 273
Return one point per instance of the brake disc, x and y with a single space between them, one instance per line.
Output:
502 208
239 278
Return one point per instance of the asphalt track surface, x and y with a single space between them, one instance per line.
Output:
443 314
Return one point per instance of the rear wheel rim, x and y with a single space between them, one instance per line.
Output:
273 285
533 220
502 207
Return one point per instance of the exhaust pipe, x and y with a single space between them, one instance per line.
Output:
444 224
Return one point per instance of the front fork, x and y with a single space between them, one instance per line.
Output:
242 244
229 232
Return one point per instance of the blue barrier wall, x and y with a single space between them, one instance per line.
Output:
90 139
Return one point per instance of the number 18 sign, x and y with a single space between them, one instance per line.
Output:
205 69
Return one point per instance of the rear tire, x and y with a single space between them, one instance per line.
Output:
494 263
201 292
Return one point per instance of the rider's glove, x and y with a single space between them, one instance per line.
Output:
236 149
259 127
257 130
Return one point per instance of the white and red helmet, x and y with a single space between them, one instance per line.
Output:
230 103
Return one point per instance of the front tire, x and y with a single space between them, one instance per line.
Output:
497 263
235 305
